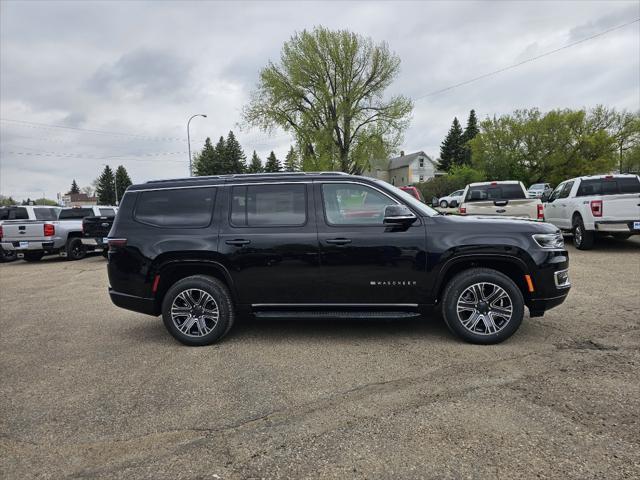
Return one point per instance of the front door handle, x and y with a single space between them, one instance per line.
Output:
238 242
338 241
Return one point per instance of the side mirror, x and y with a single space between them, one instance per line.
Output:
545 197
398 215
453 204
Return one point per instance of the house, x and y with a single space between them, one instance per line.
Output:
77 199
407 169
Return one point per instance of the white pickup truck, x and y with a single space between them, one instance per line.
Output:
32 239
596 205
507 198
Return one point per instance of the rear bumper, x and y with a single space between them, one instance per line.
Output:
93 242
618 226
131 302
31 245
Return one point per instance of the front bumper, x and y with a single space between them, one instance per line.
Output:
23 246
619 226
144 305
537 306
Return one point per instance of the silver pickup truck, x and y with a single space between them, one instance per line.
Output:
32 239
23 212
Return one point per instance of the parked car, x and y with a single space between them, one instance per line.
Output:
596 205
508 198
23 212
413 191
455 197
32 239
201 250
95 230
538 190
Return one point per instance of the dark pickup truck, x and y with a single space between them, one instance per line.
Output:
95 231
201 250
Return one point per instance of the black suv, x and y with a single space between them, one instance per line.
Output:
202 250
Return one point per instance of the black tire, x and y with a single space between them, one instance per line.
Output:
459 284
7 255
76 249
218 291
444 204
582 239
105 253
33 256
621 236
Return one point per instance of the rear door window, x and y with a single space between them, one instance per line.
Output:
45 213
507 191
176 208
269 205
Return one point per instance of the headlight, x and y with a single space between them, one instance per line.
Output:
549 240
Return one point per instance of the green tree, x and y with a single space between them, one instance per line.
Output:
469 134
74 188
207 161
291 163
256 165
234 156
532 146
328 90
452 148
459 177
6 201
224 164
105 189
273 164
123 181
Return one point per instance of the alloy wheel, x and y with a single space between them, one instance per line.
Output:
194 312
484 308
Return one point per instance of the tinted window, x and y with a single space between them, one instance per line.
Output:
268 205
629 185
20 214
75 213
46 213
107 212
505 191
350 204
187 208
609 186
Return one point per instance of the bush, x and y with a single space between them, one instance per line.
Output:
458 178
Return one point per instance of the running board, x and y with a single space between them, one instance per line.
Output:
334 314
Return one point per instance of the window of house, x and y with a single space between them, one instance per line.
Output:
422 178
421 162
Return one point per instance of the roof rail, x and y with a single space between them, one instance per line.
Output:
242 175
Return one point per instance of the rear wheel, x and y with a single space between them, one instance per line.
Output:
33 256
482 306
7 255
582 239
198 310
76 249
444 204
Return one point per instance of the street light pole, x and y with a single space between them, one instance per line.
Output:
189 140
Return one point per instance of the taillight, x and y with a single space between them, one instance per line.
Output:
462 210
1 231
49 230
596 208
114 243
540 211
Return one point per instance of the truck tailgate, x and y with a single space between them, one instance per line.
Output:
520 207
16 230
624 207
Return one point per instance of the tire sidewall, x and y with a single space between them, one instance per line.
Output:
220 295
459 283
444 204
70 246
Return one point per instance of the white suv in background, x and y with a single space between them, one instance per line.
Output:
596 204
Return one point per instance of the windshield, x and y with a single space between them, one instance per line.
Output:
537 186
409 199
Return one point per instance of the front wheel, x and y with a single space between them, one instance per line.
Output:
482 306
76 249
443 204
198 310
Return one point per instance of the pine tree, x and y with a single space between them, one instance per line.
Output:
207 161
291 162
273 164
105 190
123 181
235 156
74 188
224 165
256 165
469 132
452 148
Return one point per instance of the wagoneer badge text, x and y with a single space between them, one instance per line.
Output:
392 283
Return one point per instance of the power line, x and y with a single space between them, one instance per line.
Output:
537 57
133 157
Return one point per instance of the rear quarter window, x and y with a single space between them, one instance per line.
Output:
177 208
45 213
609 186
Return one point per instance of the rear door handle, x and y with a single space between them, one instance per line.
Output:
338 241
238 242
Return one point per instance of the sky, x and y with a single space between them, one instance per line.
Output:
124 77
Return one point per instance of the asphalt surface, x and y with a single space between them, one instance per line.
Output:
88 390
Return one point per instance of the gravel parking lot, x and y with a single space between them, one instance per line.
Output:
92 391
